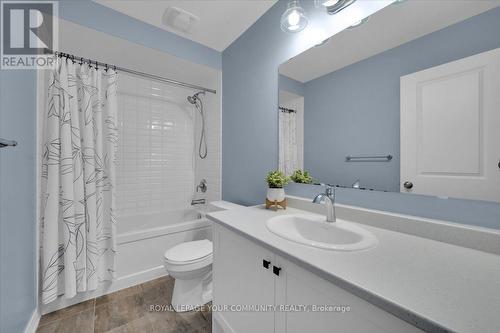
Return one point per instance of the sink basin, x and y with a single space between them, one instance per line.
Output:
313 230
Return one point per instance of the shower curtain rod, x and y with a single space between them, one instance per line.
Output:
130 71
283 109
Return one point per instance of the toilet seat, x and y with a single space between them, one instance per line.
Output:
189 256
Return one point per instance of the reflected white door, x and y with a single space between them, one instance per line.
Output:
450 129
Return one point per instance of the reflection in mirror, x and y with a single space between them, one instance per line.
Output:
402 102
291 132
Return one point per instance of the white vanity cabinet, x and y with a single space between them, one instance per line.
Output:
240 278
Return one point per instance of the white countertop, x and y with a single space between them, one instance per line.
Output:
437 286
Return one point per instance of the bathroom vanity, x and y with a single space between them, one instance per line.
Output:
406 282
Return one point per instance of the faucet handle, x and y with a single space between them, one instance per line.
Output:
330 191
202 186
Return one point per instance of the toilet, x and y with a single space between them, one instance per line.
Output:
190 264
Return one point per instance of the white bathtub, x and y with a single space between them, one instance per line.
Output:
142 240
133 228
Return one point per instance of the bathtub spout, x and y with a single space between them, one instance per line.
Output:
198 202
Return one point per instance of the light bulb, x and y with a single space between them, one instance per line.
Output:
294 19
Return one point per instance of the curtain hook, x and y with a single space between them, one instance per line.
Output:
73 59
81 61
90 63
106 69
96 65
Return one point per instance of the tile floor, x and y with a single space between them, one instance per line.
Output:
128 310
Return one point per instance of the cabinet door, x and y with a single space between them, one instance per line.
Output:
296 286
241 279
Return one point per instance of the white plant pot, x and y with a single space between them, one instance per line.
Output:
276 194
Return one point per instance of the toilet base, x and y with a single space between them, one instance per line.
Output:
192 293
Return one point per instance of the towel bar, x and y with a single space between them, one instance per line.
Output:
7 143
374 158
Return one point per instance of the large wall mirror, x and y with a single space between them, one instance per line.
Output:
407 101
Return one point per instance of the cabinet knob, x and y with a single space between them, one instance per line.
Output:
266 263
276 270
408 185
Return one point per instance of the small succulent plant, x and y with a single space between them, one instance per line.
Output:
277 179
302 177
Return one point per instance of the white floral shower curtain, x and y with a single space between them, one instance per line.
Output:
288 159
78 178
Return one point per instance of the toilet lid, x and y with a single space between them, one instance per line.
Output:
189 251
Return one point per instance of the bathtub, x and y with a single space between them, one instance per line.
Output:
134 228
142 241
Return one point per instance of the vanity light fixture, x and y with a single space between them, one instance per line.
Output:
294 19
333 6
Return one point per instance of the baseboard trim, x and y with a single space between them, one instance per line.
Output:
33 323
107 288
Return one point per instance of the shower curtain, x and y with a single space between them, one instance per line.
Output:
288 160
78 178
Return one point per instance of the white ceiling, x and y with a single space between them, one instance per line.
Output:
221 21
388 28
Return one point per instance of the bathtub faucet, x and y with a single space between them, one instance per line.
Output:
198 202
202 186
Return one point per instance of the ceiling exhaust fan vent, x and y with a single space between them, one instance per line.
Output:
179 19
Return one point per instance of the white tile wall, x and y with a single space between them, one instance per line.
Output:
158 166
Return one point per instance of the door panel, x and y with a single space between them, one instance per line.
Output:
450 143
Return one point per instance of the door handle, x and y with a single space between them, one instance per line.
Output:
266 263
276 270
408 185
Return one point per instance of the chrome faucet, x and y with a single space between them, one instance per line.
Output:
202 186
329 198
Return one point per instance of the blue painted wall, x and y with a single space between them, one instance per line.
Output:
358 106
17 200
250 127
250 93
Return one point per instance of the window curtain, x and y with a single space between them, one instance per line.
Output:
78 179
288 161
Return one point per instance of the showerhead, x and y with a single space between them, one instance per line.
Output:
192 99
198 103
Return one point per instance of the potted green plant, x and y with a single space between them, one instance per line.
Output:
276 180
301 177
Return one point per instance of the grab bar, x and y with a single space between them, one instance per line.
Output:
374 158
7 143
